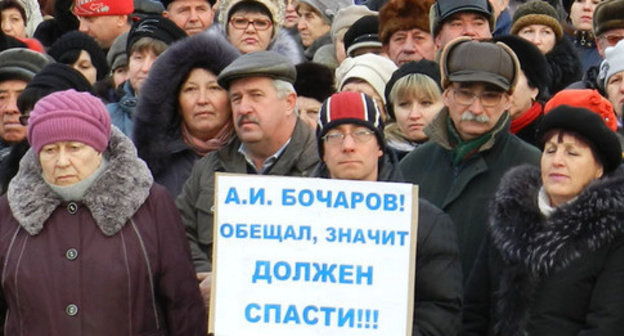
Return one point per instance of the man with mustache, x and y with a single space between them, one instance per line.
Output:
270 140
470 145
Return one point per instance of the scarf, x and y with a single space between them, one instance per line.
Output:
526 118
76 191
463 150
203 147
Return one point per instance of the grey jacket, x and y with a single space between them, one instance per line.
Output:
196 201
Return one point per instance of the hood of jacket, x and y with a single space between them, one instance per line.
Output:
112 199
157 133
283 43
533 246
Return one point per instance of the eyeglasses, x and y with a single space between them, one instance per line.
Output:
612 39
337 138
259 24
487 98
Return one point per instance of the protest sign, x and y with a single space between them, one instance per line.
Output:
307 256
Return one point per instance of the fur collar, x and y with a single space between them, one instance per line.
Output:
532 246
543 245
112 199
283 43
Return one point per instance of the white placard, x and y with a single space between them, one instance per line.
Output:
308 256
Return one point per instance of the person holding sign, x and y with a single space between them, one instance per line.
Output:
351 146
553 263
270 140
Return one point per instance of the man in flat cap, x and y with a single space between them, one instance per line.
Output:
470 145
270 140
450 19
17 67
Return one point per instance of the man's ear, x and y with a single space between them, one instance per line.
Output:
507 102
446 96
291 102
122 20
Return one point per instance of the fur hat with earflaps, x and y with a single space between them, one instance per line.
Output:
398 15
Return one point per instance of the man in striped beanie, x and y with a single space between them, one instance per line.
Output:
351 144
348 124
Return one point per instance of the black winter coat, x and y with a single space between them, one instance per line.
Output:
438 294
549 276
464 191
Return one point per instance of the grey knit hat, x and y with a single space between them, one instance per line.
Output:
116 56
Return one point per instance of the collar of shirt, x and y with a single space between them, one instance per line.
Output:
268 163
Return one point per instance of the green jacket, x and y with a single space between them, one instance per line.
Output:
464 191
196 201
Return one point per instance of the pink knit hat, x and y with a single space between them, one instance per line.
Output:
69 116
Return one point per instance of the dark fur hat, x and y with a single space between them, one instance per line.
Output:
532 62
403 15
314 80
608 15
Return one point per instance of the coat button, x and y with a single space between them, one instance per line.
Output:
71 310
71 254
72 208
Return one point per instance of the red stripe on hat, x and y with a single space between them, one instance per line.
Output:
347 105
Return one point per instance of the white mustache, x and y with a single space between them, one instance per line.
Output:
468 116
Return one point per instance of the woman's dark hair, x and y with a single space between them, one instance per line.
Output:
250 7
69 57
176 118
560 133
7 4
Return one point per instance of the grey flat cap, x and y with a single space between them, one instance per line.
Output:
21 63
258 64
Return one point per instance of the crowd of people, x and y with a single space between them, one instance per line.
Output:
115 116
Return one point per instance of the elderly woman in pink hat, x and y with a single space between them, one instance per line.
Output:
89 244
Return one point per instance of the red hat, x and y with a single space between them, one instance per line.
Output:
586 98
103 7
